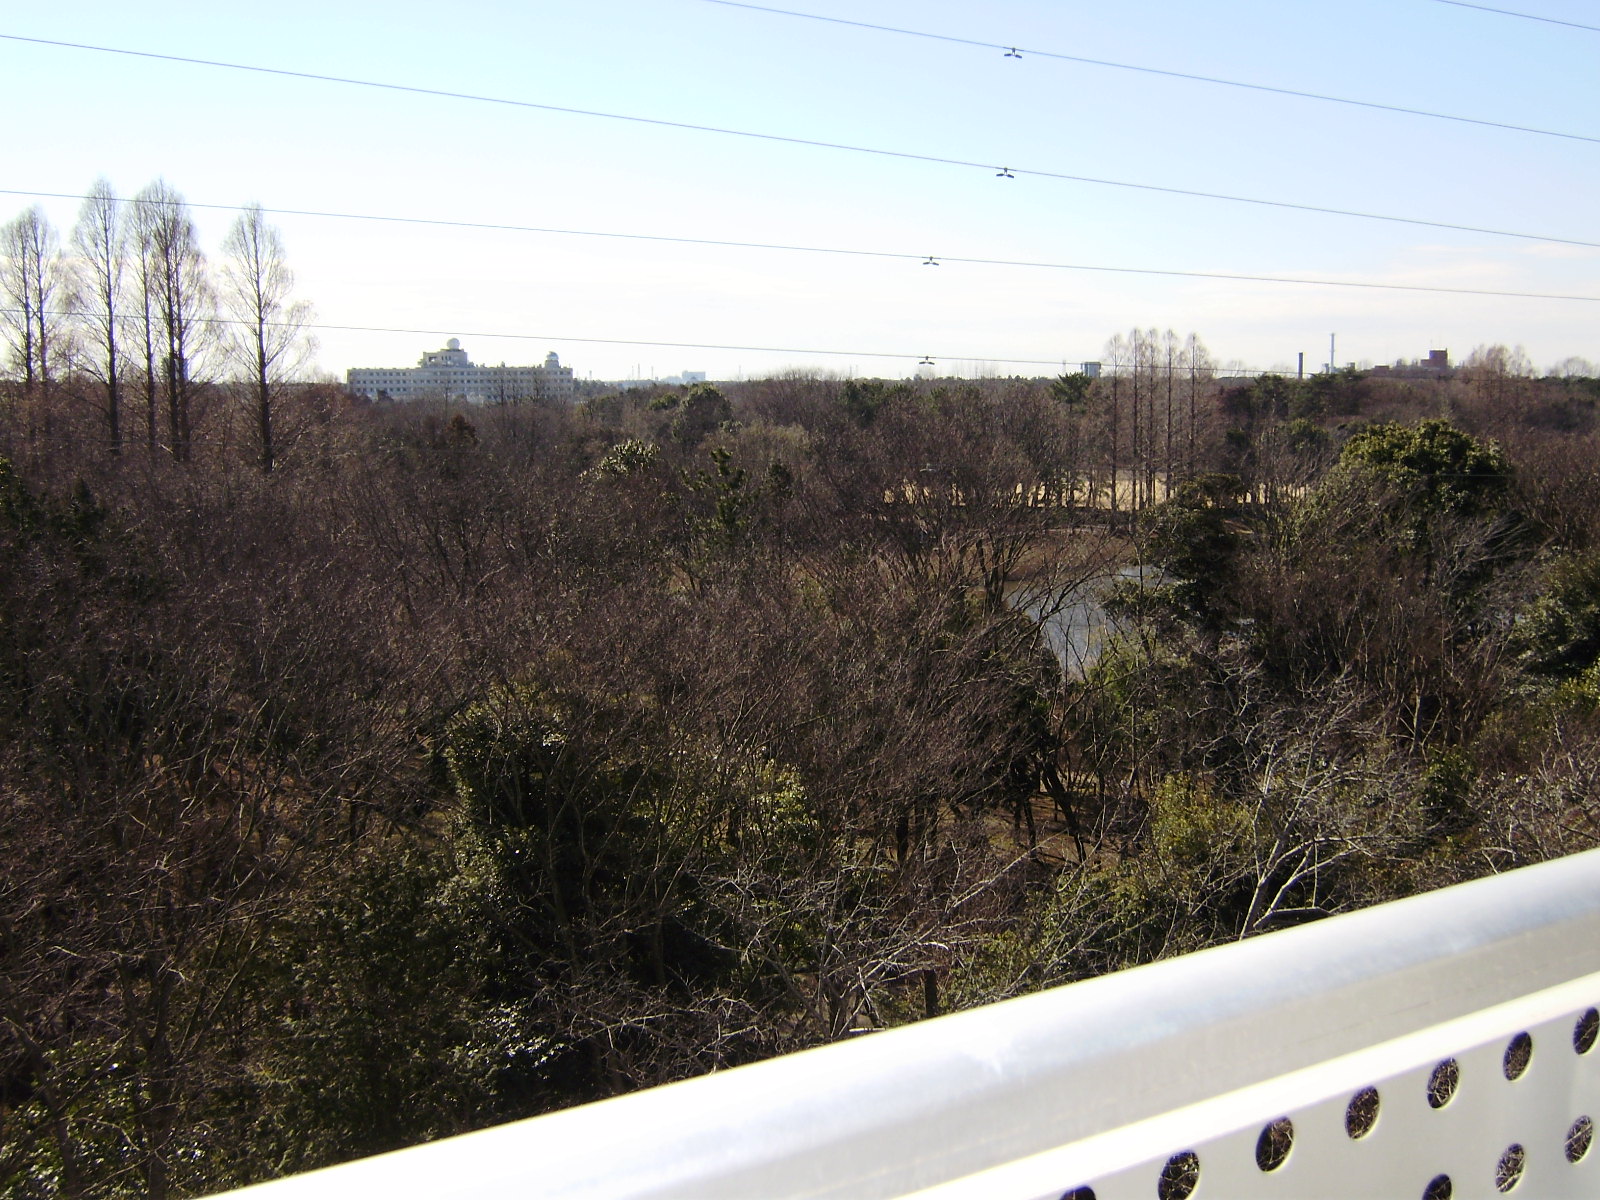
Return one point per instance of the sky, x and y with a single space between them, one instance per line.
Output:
618 307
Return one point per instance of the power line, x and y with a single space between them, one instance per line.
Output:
1021 51
903 256
552 337
556 337
1216 370
904 155
1506 12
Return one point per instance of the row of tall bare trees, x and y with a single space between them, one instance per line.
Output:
131 318
1154 402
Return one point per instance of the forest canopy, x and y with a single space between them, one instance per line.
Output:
451 764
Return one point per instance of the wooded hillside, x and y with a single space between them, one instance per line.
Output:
473 762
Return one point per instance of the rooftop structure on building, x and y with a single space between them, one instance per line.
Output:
1435 366
449 374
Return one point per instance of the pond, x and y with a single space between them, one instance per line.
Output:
1076 625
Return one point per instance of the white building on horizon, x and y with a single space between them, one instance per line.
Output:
449 374
681 379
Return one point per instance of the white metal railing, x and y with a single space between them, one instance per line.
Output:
1435 1047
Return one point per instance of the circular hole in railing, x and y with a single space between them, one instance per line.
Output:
1274 1144
1518 1051
1361 1114
1508 1171
1579 1138
1583 1033
1439 1188
1443 1082
1179 1177
1079 1193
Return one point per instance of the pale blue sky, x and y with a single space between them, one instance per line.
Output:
228 137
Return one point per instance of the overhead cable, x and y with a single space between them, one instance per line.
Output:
558 337
1220 370
553 337
904 256
1506 12
903 155
1028 51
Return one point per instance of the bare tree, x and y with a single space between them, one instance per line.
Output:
142 238
30 283
1499 376
1147 364
178 302
100 244
1198 359
1139 361
1117 355
269 337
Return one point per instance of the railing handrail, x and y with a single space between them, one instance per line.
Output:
933 1104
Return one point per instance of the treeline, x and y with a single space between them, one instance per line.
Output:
474 762
130 321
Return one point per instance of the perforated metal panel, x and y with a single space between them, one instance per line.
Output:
1156 1083
1443 1109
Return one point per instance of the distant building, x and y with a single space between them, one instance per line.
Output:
1435 366
449 374
682 379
